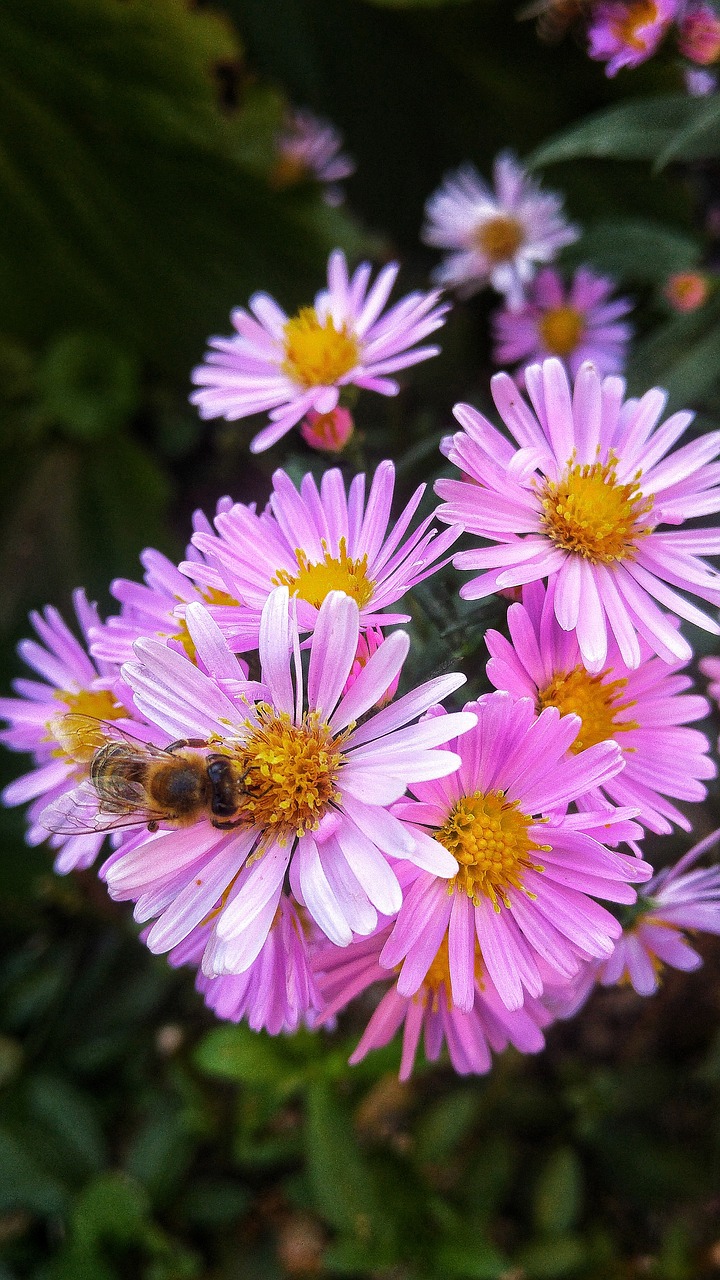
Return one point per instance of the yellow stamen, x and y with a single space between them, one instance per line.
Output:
594 698
437 978
77 739
561 329
499 238
312 582
316 353
290 772
627 28
590 513
488 835
213 596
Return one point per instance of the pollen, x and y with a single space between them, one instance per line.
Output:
561 329
316 353
499 238
488 835
597 700
590 513
314 580
628 26
290 772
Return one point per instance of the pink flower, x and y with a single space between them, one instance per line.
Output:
575 324
580 499
70 683
528 871
626 34
470 1034
494 237
277 992
699 34
314 541
290 366
645 709
327 432
309 148
314 782
686 290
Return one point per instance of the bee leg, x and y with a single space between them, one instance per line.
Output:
227 824
186 742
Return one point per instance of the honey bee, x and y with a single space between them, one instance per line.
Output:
133 783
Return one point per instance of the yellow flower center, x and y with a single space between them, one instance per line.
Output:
499 238
627 28
72 738
288 170
313 581
316 353
489 837
561 329
591 513
437 978
596 700
290 772
212 596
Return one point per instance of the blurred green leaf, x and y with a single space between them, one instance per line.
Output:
88 385
558 1192
24 1183
548 1259
112 1207
641 129
71 1117
683 355
472 1260
444 1125
635 249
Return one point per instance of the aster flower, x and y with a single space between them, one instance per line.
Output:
699 34
579 323
70 683
686 290
292 365
581 499
626 34
645 709
313 785
470 1034
314 541
495 237
310 148
277 992
528 871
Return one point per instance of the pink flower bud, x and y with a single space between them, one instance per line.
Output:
686 290
328 432
699 35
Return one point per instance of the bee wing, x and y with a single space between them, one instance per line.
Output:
82 736
80 812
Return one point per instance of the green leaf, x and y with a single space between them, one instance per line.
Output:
24 1184
699 138
683 356
112 1207
72 1119
88 385
558 1193
478 1260
634 249
237 1053
637 130
552 1258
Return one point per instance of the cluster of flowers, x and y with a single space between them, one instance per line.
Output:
284 821
624 33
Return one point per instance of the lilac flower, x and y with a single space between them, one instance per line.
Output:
626 34
528 871
581 500
69 683
289 366
577 324
309 147
315 786
494 237
277 992
315 541
645 709
470 1034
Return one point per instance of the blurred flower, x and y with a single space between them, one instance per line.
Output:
495 237
645 709
575 324
699 83
528 871
328 432
315 541
470 1034
626 34
309 148
316 784
290 366
699 34
277 992
686 290
579 499
70 684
